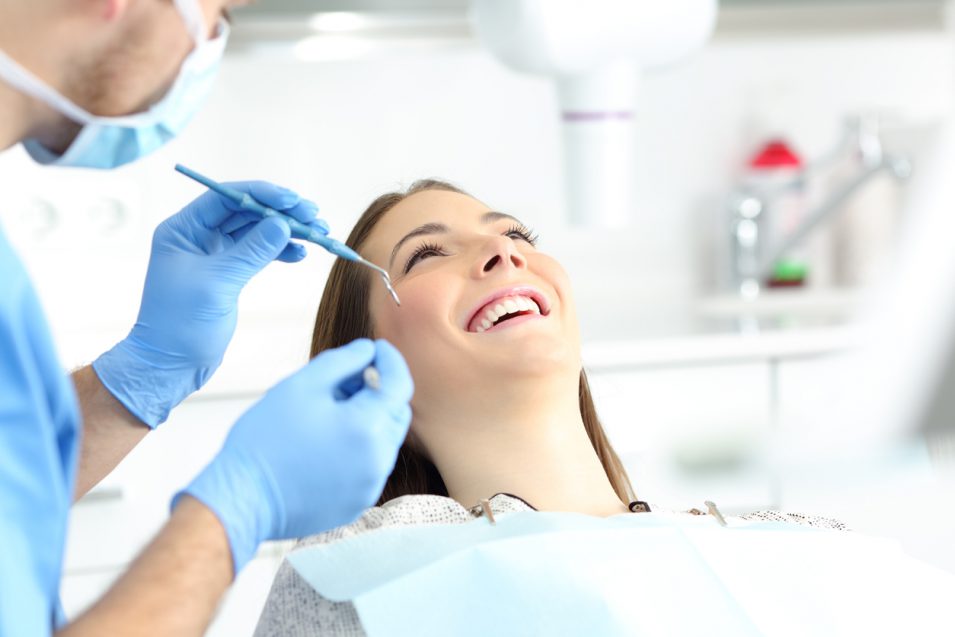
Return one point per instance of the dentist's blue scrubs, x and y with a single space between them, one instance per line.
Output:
39 442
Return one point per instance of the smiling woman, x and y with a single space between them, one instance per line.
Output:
503 418
461 266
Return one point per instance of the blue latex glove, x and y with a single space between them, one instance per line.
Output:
201 259
309 456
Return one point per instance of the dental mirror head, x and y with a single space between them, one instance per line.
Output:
384 278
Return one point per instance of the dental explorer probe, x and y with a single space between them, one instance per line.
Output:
299 229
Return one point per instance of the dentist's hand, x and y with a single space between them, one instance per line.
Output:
201 259
309 457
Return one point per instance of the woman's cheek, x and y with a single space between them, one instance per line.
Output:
412 322
554 271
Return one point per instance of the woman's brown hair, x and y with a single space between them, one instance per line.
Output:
343 316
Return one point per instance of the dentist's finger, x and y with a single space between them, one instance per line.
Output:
244 218
237 221
266 193
293 253
285 201
332 367
387 420
396 382
257 247
350 386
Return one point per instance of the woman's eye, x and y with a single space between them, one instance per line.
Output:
422 253
520 233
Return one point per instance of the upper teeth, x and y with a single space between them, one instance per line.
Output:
507 305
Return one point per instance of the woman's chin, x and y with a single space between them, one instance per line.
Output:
530 354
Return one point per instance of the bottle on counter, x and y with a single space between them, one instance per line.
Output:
775 174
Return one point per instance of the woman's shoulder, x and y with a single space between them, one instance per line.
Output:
804 519
417 510
294 609
413 510
770 515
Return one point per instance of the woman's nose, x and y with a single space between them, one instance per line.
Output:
498 253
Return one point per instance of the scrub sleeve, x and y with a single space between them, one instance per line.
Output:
39 439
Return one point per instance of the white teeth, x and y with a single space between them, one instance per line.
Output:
527 304
510 305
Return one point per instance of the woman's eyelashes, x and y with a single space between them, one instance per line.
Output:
522 232
431 249
423 252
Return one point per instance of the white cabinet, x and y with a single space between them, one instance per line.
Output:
894 493
116 520
830 475
808 394
114 523
689 434
689 421
236 616
111 525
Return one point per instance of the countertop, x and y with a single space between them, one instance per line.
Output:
266 348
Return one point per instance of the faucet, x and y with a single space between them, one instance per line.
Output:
752 255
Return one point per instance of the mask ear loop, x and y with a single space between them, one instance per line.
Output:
191 14
26 82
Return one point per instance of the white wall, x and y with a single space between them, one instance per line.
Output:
345 131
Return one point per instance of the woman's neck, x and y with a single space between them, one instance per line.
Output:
534 447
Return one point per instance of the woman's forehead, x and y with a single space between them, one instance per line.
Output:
429 206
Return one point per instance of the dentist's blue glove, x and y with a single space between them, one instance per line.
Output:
201 259
309 456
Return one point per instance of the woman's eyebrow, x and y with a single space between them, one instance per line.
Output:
440 228
428 228
494 215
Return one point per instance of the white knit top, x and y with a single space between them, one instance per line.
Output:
295 609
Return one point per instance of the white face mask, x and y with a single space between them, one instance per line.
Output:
107 142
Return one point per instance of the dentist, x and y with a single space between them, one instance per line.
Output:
99 83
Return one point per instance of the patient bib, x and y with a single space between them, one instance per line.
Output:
538 573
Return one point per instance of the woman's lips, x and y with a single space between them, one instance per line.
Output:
517 302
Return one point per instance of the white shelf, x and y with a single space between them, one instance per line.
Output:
708 349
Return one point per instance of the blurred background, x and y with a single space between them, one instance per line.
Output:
764 173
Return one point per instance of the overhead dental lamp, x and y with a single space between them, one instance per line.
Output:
596 51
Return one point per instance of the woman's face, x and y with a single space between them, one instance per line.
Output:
481 307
